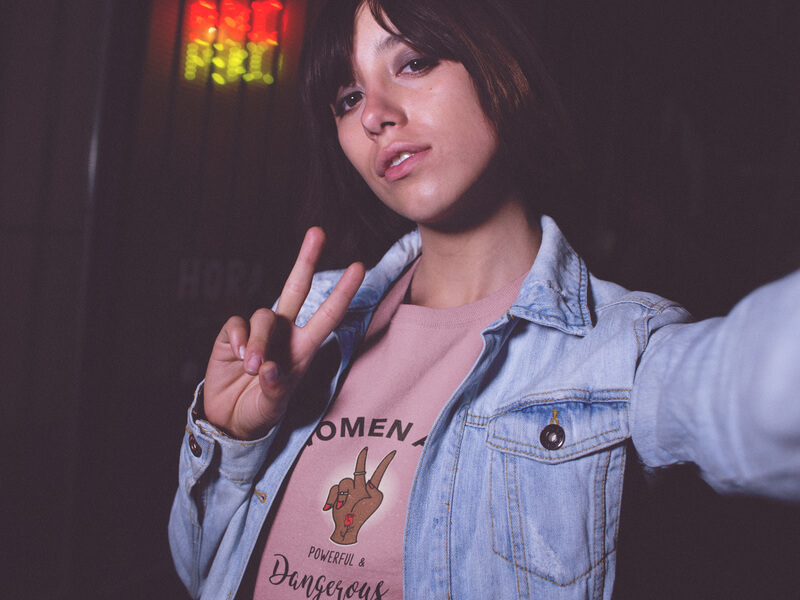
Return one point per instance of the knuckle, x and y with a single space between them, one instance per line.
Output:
262 315
294 287
328 312
233 329
234 322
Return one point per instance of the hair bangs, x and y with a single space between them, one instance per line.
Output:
328 54
419 25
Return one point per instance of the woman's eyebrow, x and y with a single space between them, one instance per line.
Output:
387 43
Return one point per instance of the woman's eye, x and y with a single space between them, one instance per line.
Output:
347 102
419 65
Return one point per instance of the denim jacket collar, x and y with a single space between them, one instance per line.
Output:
553 294
555 291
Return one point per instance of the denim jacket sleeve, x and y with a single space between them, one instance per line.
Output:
216 475
725 394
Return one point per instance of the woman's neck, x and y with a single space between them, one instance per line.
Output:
461 267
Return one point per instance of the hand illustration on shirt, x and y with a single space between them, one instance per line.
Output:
355 500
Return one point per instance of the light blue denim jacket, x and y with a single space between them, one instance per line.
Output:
492 512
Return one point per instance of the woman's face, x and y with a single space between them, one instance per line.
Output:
414 129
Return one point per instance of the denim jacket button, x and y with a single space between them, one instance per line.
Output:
194 446
552 437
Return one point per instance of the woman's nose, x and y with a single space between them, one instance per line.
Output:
380 111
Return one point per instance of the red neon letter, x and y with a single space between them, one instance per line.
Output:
235 20
265 21
203 15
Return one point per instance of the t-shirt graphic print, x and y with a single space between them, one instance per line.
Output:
354 500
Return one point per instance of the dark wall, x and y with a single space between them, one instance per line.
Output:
687 113
51 99
137 212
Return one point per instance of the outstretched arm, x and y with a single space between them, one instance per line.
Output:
725 394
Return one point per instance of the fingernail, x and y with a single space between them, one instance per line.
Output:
253 363
327 507
271 374
339 504
241 352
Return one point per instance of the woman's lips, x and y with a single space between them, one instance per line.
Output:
390 154
403 168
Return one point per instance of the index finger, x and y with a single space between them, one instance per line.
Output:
334 307
298 284
359 475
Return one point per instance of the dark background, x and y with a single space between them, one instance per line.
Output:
137 212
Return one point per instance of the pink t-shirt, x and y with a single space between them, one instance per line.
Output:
338 532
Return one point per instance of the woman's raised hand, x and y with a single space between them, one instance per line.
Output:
254 367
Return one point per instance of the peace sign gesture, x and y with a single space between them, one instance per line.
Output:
355 500
255 366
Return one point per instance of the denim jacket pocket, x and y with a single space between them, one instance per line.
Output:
555 511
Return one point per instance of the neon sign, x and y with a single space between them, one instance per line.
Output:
231 41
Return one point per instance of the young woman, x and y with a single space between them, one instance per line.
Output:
454 423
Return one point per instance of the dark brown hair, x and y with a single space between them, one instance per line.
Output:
516 93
